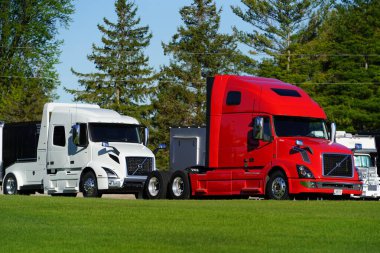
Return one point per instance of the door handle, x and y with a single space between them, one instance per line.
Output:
52 163
71 162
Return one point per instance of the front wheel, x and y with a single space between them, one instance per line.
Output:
89 186
277 186
10 185
179 186
156 185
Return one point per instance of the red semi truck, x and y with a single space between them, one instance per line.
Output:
263 137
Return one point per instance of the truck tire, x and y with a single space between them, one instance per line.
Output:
10 185
155 186
89 185
179 185
277 186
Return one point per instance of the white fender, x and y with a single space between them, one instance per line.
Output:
100 174
20 177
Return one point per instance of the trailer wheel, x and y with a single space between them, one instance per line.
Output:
10 185
179 186
155 186
89 185
277 186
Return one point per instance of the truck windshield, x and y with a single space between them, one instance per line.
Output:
363 161
110 132
286 126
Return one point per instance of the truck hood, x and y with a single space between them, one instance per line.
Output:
117 154
310 154
315 144
126 149
132 149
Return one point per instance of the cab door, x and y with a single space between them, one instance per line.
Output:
58 159
79 153
258 154
260 148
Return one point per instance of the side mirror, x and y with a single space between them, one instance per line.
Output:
144 135
258 127
333 132
160 146
76 134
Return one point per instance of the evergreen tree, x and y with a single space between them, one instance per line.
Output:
197 51
29 51
344 72
123 77
277 28
339 65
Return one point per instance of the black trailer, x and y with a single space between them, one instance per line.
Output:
18 143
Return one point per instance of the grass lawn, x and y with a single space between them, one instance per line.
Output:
53 224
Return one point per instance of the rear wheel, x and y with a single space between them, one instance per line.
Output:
10 185
89 185
179 186
155 186
277 186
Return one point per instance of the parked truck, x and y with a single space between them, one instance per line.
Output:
263 137
365 155
75 148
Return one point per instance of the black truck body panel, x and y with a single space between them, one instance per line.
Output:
20 141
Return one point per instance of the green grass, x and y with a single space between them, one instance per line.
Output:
52 224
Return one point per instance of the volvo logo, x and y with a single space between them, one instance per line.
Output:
140 166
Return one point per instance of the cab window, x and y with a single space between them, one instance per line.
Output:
267 129
59 138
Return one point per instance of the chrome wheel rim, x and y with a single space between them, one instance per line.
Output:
177 186
278 187
89 186
154 186
11 185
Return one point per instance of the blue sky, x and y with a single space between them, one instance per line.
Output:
162 16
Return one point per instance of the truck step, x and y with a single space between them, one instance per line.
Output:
201 191
252 190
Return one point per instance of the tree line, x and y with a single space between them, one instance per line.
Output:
29 51
329 48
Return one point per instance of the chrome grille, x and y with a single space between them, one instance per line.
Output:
139 166
337 165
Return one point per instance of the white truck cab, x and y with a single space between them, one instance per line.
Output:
83 148
364 149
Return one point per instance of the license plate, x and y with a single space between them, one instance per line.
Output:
338 192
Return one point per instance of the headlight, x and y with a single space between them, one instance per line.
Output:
110 173
304 172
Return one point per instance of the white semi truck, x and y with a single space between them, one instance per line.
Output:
365 153
75 148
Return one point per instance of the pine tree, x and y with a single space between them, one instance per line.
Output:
29 51
277 28
123 78
343 75
197 51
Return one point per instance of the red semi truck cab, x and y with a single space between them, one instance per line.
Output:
263 137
